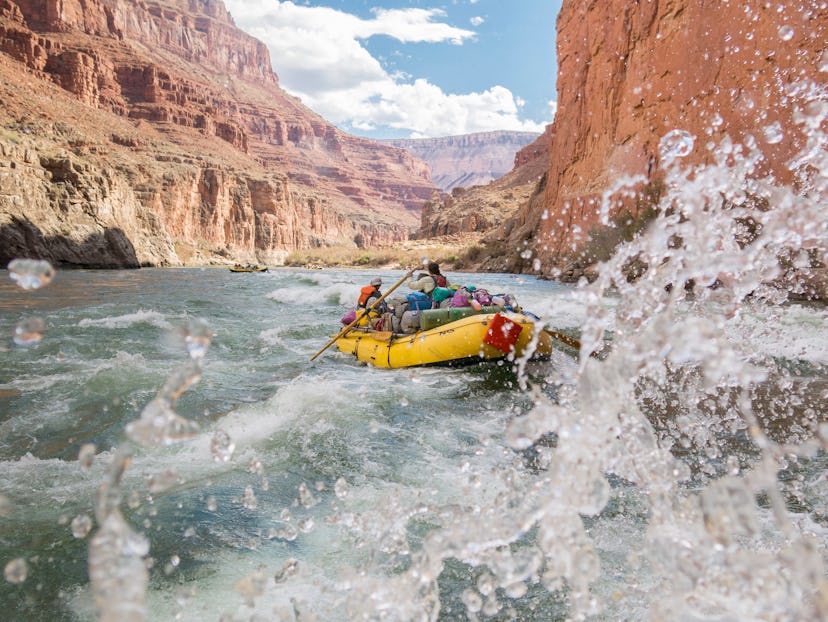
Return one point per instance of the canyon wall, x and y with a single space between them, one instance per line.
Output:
168 126
630 72
467 160
481 209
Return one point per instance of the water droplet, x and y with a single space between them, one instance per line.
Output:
341 488
211 503
306 497
86 456
221 446
159 482
160 425
773 133
306 524
249 499
286 532
786 33
675 144
289 569
472 600
81 526
31 273
16 571
29 332
197 337
255 466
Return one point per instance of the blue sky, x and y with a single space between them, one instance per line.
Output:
413 68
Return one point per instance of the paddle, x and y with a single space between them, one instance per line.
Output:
573 343
363 314
565 339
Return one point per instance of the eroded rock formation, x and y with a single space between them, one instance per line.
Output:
630 72
483 208
168 125
468 160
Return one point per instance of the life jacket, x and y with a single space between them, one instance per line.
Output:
365 293
439 280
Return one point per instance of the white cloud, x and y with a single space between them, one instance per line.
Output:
553 109
476 21
318 55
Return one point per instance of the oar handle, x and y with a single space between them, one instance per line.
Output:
363 314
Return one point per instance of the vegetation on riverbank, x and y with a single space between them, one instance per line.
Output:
454 252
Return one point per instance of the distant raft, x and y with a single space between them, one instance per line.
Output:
447 341
248 268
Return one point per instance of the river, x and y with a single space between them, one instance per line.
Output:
333 491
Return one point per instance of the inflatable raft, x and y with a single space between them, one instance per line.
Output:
445 339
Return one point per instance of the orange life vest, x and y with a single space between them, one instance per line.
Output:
365 293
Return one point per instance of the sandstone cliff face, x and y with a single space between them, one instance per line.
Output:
630 72
483 208
468 160
170 103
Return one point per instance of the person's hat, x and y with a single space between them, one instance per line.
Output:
376 282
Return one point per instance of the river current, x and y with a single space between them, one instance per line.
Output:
333 491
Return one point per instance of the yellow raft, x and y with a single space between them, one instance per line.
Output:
482 337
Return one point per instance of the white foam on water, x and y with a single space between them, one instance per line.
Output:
303 295
792 332
153 318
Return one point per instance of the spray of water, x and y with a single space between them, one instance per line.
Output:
117 554
680 423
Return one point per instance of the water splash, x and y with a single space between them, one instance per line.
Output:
117 569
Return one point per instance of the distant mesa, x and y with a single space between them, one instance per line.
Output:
467 160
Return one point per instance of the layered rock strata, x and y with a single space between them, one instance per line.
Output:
172 129
630 72
483 208
468 160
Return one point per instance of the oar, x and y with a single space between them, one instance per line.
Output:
565 339
363 314
571 342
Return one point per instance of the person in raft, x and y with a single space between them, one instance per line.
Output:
427 282
369 293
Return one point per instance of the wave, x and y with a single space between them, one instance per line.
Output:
153 318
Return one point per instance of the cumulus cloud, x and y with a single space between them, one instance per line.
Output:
319 56
476 21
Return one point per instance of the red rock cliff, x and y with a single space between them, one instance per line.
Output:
209 148
630 72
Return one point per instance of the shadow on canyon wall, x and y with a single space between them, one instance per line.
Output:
108 249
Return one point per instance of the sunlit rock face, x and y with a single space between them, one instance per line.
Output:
173 132
631 72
